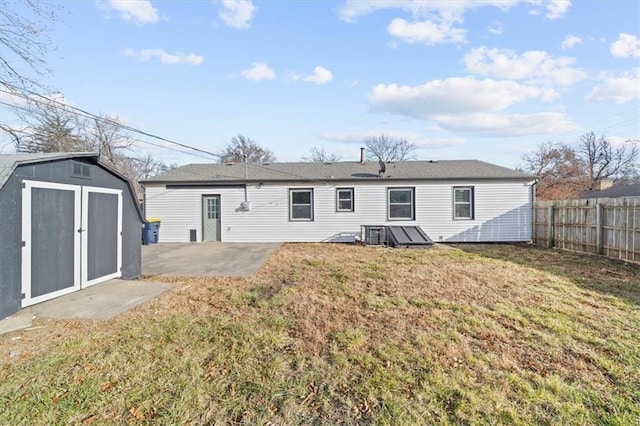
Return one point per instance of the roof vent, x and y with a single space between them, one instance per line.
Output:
433 161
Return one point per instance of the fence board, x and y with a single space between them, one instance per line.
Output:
608 226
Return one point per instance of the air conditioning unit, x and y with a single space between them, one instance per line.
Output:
374 235
245 206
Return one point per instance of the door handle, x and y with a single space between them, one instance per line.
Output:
81 230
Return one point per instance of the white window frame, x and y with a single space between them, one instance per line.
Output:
351 192
470 203
412 190
291 205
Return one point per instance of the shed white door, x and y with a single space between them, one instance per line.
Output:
101 234
72 238
211 218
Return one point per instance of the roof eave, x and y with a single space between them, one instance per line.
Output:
366 179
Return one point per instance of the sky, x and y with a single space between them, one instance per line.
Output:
462 79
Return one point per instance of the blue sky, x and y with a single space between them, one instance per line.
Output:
461 79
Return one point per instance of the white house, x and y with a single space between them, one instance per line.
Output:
453 201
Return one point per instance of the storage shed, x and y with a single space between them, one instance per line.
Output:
67 222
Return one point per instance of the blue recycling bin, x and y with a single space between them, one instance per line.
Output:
150 231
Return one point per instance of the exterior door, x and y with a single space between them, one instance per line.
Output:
72 238
51 218
101 234
211 218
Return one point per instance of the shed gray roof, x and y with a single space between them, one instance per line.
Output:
632 190
345 170
9 162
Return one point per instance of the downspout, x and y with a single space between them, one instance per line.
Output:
246 177
533 209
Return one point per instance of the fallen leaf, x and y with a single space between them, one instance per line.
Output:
61 396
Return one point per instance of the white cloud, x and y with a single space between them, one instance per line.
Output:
427 32
626 46
353 9
259 71
457 96
237 13
534 66
447 10
438 21
506 125
557 8
136 11
164 57
496 28
471 106
570 41
617 89
320 75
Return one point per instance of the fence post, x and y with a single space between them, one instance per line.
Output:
599 228
550 226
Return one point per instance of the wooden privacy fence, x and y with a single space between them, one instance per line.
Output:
608 226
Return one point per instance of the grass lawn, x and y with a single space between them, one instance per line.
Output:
329 334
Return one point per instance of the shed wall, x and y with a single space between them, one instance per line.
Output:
57 171
502 211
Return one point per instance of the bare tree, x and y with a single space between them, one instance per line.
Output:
382 147
107 136
565 172
148 166
319 155
23 40
241 149
141 168
560 169
54 130
603 161
23 47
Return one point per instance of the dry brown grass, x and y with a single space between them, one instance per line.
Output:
347 334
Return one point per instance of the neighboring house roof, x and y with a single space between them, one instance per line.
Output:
345 170
9 162
632 190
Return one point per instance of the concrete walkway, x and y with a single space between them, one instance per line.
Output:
212 259
100 301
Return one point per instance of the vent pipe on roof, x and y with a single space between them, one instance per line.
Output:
362 155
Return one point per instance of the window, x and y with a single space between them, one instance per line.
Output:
80 170
344 200
301 204
463 202
401 203
212 208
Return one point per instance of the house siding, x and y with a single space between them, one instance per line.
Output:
502 211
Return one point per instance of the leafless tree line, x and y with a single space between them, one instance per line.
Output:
567 170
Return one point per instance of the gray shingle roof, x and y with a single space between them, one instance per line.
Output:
8 162
306 171
632 190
